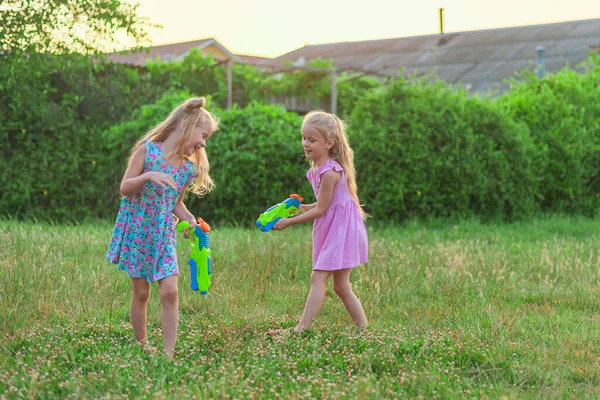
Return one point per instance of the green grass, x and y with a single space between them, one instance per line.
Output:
461 310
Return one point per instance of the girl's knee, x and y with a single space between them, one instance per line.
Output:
140 290
168 290
341 283
141 296
342 289
168 295
319 277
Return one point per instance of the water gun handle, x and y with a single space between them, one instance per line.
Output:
194 273
182 225
270 225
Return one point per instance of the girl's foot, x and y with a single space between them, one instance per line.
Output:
302 329
150 349
278 332
147 347
170 354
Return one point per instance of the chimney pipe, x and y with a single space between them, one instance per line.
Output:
541 62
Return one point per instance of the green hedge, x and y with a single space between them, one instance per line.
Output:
256 158
426 149
422 148
52 112
562 112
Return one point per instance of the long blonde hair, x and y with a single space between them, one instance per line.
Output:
333 128
187 115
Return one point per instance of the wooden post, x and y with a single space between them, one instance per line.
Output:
229 84
333 92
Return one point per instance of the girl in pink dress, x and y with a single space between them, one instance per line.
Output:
340 240
163 165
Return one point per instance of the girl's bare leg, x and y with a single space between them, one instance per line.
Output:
314 302
139 304
343 288
169 313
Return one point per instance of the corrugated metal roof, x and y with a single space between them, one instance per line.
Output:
478 59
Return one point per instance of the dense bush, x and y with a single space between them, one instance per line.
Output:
426 149
256 158
52 112
562 112
423 148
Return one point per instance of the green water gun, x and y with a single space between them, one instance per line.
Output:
287 208
200 268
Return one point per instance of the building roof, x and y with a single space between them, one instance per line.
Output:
170 52
252 60
479 59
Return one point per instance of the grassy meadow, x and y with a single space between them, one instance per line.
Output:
456 310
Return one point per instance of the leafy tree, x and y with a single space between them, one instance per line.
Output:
65 26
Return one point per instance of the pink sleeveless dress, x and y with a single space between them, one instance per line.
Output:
339 237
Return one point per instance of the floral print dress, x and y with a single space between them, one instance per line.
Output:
143 241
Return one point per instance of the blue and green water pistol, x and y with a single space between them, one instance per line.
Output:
287 208
200 268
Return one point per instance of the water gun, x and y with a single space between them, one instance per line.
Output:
200 268
287 208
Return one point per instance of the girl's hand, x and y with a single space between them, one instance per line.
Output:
186 231
161 179
281 224
303 208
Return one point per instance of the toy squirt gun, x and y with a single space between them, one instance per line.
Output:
200 267
287 208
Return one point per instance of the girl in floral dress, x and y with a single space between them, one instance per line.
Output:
164 163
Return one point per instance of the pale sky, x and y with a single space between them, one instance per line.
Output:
274 27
